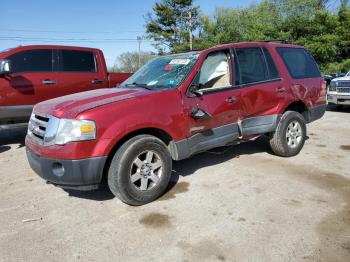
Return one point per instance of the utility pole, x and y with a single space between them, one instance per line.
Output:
190 29
139 39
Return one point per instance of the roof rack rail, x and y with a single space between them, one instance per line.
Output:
282 41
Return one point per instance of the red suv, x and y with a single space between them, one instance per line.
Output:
172 108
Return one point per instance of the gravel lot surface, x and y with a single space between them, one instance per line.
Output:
233 204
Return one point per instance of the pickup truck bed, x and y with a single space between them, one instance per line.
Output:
42 72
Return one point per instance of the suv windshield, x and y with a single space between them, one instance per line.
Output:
164 72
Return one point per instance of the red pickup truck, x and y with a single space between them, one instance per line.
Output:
174 107
32 74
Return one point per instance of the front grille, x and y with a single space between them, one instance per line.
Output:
343 90
343 84
37 127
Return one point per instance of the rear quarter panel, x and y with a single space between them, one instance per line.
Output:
310 91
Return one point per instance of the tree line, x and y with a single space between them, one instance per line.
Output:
319 25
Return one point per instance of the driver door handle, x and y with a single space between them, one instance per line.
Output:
48 82
231 100
96 81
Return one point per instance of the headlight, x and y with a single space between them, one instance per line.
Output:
74 130
333 86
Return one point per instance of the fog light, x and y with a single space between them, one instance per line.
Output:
58 169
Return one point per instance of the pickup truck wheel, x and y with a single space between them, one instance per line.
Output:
290 135
140 170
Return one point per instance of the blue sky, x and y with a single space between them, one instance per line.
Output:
84 19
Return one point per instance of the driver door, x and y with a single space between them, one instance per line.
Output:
214 115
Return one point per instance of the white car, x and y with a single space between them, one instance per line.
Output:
339 91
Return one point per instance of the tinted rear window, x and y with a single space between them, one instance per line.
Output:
78 61
32 61
299 62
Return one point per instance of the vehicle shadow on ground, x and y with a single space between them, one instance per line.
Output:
9 136
101 194
188 167
339 109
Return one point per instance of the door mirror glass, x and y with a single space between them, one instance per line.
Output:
5 67
200 114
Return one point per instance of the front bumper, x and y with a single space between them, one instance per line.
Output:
338 99
80 174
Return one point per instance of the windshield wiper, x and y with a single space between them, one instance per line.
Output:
140 85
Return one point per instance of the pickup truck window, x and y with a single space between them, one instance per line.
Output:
32 61
252 65
299 62
215 71
163 72
77 61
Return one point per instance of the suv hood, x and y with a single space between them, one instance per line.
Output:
70 106
344 78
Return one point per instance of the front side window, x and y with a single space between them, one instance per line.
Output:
252 65
77 61
299 62
32 61
164 72
215 71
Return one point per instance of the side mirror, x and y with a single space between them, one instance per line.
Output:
194 88
199 113
5 67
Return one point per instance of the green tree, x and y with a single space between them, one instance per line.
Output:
306 22
129 61
169 25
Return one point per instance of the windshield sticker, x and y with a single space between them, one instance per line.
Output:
152 83
172 82
180 62
168 68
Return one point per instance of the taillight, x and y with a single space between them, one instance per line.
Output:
324 88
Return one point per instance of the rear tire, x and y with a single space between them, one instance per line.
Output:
290 135
140 170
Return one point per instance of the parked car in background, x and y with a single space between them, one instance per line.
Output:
339 91
32 74
328 79
174 107
339 74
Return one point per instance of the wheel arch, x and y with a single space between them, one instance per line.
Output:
300 107
156 132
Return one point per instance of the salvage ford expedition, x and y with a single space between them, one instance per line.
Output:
32 74
174 107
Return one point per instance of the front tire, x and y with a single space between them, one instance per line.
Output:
290 135
140 170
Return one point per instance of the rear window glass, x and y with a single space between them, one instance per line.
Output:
31 61
299 62
271 65
78 61
252 65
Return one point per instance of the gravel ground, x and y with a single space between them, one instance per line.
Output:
233 204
